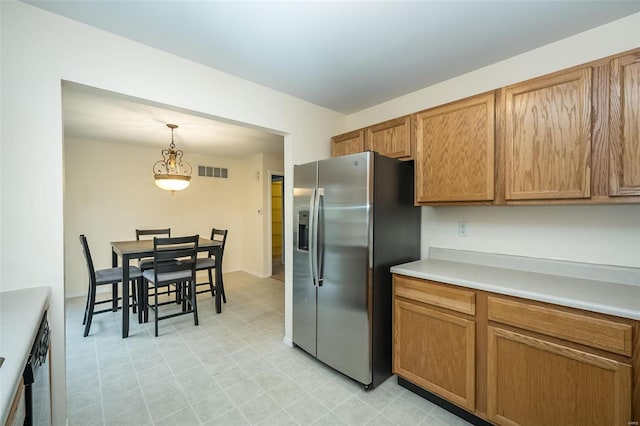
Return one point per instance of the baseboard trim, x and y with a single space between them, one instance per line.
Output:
452 408
287 341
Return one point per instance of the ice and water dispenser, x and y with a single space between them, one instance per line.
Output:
303 230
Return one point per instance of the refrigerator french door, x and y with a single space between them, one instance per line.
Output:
347 211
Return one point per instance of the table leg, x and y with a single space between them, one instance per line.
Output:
125 296
218 280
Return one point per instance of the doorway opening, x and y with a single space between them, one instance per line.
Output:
276 197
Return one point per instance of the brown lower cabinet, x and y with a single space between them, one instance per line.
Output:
513 361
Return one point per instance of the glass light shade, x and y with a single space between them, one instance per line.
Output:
172 182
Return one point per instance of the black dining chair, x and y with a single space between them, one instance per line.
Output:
166 272
147 263
109 276
209 264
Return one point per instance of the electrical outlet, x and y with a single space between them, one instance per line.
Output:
463 229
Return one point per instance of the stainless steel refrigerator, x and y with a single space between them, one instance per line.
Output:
354 218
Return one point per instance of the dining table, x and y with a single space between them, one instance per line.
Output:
138 249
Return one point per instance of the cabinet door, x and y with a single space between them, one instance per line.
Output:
548 137
455 151
436 351
348 143
625 126
391 138
535 382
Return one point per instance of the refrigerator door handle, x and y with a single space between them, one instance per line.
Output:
319 242
313 250
312 234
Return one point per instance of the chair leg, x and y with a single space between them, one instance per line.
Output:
211 282
185 294
86 305
224 296
91 302
155 299
194 304
114 297
134 298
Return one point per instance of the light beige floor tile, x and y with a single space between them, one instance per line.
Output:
380 420
306 410
354 412
269 379
230 361
230 418
440 416
80 400
124 401
243 391
155 390
258 409
332 394
403 412
199 390
166 404
281 418
377 398
118 385
129 418
184 417
87 416
286 393
213 406
329 419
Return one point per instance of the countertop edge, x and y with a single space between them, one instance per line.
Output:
419 269
30 303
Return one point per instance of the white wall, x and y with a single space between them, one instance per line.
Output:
599 234
109 192
38 50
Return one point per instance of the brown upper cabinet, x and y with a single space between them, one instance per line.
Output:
392 138
347 143
571 137
455 151
624 127
548 137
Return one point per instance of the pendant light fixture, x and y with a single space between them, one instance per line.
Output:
171 173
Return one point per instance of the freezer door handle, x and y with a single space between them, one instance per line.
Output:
313 250
319 242
312 235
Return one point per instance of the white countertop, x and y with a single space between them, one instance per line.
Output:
606 297
20 315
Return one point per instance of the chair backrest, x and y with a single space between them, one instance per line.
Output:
165 253
219 235
88 260
152 233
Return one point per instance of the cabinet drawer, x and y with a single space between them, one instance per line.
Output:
575 327
442 295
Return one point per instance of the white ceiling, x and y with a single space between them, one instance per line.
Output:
96 115
343 55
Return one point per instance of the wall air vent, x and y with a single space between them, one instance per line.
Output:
216 172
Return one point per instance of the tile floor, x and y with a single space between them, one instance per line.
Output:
233 369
